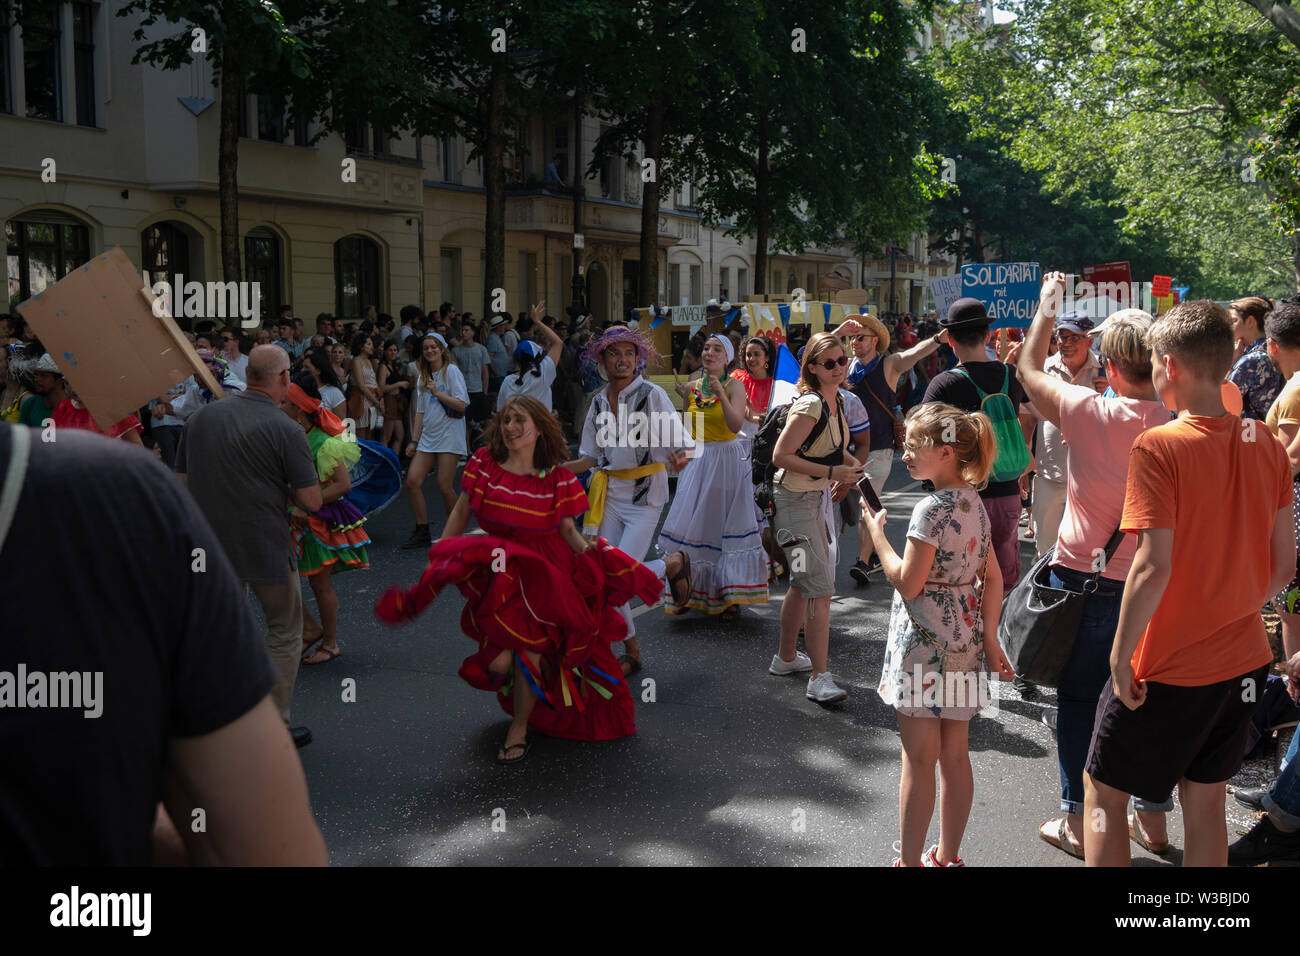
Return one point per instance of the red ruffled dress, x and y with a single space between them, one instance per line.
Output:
526 589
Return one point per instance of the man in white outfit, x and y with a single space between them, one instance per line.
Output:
631 435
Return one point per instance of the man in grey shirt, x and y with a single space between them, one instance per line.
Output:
474 362
243 458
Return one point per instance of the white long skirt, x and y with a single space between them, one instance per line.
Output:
714 521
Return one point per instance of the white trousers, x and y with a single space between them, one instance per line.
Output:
631 529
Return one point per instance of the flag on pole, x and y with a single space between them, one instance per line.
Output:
784 377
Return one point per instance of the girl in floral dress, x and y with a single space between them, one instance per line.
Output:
943 626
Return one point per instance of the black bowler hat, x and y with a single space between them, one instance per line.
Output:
966 314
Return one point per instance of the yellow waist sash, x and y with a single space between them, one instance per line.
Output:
596 493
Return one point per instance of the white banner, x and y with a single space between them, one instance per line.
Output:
946 290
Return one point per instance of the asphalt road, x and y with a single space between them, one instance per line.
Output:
729 764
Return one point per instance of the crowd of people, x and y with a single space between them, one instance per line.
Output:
1126 450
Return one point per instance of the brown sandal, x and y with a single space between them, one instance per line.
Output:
1141 839
1061 839
683 574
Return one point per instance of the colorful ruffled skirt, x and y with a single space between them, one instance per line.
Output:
335 538
519 599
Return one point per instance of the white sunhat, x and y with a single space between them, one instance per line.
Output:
1138 317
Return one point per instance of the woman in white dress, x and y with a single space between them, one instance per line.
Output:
713 518
437 433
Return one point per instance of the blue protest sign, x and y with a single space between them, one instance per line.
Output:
1009 290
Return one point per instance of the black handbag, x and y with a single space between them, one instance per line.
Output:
1039 622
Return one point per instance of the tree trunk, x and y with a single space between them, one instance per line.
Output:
1295 255
494 182
761 211
654 137
1283 16
232 88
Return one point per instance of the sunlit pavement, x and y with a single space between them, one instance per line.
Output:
729 764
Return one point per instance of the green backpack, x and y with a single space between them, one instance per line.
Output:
1013 456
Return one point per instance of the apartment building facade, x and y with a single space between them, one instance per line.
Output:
97 152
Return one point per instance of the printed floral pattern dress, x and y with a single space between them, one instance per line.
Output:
955 523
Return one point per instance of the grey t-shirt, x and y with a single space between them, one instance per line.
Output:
471 359
242 455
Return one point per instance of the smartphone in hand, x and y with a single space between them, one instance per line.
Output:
869 493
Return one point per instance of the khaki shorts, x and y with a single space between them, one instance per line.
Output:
800 524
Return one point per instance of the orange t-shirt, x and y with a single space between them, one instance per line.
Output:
1221 494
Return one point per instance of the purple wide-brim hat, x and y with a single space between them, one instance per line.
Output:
645 352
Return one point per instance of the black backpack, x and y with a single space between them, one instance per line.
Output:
760 456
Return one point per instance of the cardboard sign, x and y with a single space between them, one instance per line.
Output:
946 290
98 325
1009 290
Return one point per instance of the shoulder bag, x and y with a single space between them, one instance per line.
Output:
1040 622
900 427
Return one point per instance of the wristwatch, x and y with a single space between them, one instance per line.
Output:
830 470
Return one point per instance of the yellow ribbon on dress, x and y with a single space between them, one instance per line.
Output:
596 493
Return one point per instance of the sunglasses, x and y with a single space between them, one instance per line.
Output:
830 364
864 335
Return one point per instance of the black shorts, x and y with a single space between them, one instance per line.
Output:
1196 733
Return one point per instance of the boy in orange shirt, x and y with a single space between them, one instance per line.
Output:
1209 497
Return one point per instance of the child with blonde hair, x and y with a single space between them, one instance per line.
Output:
942 627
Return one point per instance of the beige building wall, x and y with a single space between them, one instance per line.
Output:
149 159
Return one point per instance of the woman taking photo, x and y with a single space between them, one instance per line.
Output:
334 538
811 453
1098 433
540 601
317 363
437 434
396 388
713 519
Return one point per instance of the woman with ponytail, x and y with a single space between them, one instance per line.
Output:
332 539
943 627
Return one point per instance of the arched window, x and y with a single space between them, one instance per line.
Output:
166 253
262 265
43 247
356 276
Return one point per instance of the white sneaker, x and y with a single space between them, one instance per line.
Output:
780 668
931 858
821 688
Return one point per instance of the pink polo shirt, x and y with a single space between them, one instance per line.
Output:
1099 433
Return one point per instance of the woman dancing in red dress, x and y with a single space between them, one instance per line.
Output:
541 602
